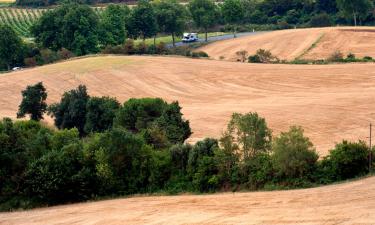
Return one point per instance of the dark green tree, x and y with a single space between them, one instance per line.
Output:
33 102
294 155
247 134
233 13
100 113
70 112
143 21
355 9
139 114
70 26
204 14
177 129
11 46
170 17
113 25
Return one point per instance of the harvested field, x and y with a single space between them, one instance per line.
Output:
348 203
316 43
332 102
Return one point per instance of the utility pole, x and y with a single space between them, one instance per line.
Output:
370 153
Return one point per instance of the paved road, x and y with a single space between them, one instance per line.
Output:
219 38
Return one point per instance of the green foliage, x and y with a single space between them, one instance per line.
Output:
232 12
112 25
249 134
294 155
160 118
122 161
263 56
33 102
170 17
100 113
204 13
256 171
11 47
355 9
321 20
71 26
347 160
71 111
142 22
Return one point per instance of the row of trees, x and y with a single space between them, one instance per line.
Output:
139 148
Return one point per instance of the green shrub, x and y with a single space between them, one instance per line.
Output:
347 160
263 56
257 171
294 156
336 56
321 20
199 54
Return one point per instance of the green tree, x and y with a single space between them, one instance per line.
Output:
248 133
356 9
100 113
138 114
170 17
204 14
33 102
294 155
143 21
11 46
70 112
176 128
347 160
70 26
113 25
233 13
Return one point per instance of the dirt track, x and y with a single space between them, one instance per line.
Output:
349 203
294 43
332 102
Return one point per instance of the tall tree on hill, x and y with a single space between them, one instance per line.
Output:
70 26
33 102
170 17
11 46
204 13
143 21
232 12
113 25
356 9
71 111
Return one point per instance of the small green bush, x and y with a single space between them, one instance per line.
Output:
321 20
199 54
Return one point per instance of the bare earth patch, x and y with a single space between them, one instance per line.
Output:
348 203
289 44
332 102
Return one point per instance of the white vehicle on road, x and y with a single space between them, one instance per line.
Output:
190 37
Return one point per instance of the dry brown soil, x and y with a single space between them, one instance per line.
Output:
298 43
332 102
348 203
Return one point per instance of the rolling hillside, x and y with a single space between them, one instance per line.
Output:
332 102
316 43
347 203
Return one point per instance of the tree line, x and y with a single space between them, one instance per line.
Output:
74 29
104 149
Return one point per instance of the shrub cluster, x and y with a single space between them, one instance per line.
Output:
139 148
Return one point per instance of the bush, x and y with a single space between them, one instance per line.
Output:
199 54
129 47
347 160
336 56
30 62
368 58
321 20
161 48
294 156
257 171
263 56
243 55
141 48
64 54
48 56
